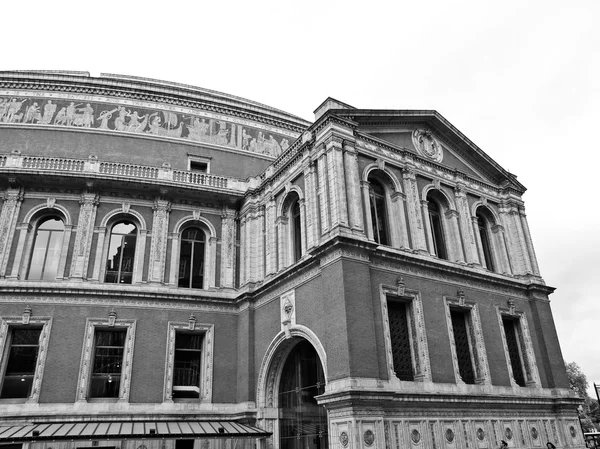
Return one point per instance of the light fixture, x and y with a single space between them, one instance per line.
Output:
112 316
26 314
191 322
109 378
22 379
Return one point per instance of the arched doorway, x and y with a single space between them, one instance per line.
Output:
302 422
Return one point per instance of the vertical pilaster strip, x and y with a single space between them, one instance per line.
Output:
364 187
227 247
83 237
516 246
158 243
399 223
415 219
270 241
101 230
323 194
302 203
175 249
140 255
64 251
282 240
355 208
468 238
243 250
428 230
13 198
527 234
337 187
23 229
452 230
259 235
312 209
500 249
479 243
211 264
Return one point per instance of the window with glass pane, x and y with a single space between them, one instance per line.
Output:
191 258
22 361
462 342
400 340
108 363
437 229
303 423
121 253
46 250
511 331
485 242
378 212
188 356
296 231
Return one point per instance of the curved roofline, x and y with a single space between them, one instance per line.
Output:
165 87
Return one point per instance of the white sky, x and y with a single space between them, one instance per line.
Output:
519 78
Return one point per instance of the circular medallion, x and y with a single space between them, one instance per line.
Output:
480 434
344 439
427 145
572 431
449 435
534 433
508 433
415 436
369 437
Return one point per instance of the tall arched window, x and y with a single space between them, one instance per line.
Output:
191 258
46 250
378 212
121 253
296 229
303 422
437 228
483 224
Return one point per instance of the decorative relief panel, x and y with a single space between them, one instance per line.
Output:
427 145
287 307
142 120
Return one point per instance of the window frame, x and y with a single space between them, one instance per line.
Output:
193 158
8 323
383 197
488 248
135 251
207 348
418 341
87 355
479 360
34 241
441 228
528 360
204 255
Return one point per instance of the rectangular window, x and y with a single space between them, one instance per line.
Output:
22 361
109 348
187 365
400 339
514 346
462 341
201 167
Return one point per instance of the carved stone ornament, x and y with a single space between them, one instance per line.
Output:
196 214
480 434
508 433
572 431
415 436
369 437
427 145
534 433
125 207
50 202
344 439
449 435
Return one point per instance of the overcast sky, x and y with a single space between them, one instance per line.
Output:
519 78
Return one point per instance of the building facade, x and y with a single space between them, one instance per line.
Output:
185 268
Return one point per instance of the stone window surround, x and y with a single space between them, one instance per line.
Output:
206 375
87 354
9 322
530 369
197 158
477 344
419 347
284 224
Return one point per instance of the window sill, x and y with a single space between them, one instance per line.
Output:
13 400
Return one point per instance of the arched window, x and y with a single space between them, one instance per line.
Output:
121 253
296 230
303 422
437 228
378 212
483 224
46 250
191 258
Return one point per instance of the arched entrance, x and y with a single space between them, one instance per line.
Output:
302 422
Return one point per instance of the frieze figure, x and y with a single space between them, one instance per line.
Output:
49 110
14 107
61 117
33 113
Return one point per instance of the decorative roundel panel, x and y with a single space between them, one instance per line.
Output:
449 435
480 434
344 439
369 437
427 145
508 433
415 436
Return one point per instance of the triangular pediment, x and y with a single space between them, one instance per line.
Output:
431 138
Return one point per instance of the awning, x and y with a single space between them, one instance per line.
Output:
118 430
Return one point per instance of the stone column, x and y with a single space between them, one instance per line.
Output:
364 186
259 238
509 216
270 237
227 248
428 230
282 241
466 228
13 199
210 264
301 203
84 235
527 235
175 250
452 231
101 231
323 194
500 249
64 251
140 253
312 205
243 250
475 225
398 224
337 186
355 205
158 242
415 219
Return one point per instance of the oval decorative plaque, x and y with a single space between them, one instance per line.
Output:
480 434
508 433
534 433
415 436
369 437
344 439
427 145
449 435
